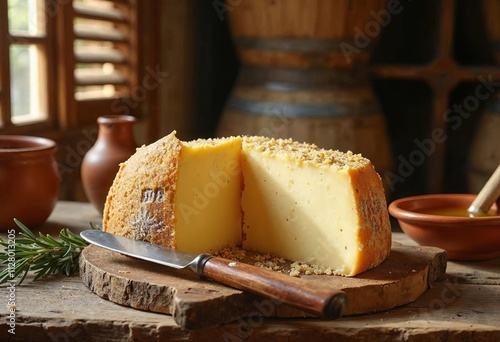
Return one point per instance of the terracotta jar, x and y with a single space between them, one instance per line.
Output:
29 180
115 144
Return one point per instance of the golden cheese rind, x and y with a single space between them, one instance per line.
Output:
140 202
374 218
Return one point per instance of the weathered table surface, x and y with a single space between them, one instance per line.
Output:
462 306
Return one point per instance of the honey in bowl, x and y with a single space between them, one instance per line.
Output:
463 238
455 212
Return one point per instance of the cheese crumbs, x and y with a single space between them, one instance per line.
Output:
272 263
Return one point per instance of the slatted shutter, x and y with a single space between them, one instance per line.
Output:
99 72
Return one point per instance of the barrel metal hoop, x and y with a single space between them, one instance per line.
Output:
286 109
289 44
294 79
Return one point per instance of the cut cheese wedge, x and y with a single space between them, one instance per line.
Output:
183 195
292 200
317 206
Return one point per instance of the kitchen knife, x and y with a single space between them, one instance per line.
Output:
310 297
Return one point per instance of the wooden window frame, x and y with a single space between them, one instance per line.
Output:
46 43
64 111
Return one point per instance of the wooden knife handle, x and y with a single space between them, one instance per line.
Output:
309 297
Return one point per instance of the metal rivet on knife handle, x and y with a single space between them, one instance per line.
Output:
304 295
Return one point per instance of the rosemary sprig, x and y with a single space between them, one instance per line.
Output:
42 254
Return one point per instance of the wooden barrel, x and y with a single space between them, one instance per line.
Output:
303 75
484 155
305 34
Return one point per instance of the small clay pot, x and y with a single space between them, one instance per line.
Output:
115 144
463 238
29 180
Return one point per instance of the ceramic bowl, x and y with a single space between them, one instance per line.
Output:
463 238
29 180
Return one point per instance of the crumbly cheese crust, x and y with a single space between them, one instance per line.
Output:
305 153
140 203
374 218
207 142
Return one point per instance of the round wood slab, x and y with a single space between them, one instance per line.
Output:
195 303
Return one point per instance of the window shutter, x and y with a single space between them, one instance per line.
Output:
98 54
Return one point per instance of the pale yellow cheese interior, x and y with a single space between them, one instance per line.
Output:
299 212
207 200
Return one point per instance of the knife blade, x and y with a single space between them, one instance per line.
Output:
318 300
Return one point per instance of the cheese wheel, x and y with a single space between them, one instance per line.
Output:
289 199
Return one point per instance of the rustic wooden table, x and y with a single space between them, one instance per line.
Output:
462 306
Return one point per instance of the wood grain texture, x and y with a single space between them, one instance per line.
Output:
461 305
64 309
195 303
322 301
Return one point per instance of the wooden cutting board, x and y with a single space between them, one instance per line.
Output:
195 303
